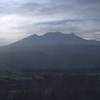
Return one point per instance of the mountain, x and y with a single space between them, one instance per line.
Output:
51 51
54 38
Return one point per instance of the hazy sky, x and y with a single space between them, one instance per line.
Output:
19 18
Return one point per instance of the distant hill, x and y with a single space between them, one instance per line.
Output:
51 51
53 38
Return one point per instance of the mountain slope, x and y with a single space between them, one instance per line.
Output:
51 51
54 38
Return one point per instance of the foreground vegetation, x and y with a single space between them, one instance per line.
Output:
49 86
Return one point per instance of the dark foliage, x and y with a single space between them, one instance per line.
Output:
52 86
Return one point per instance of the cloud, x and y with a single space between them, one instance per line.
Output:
89 1
8 25
80 26
21 17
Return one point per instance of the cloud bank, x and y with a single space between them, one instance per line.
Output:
20 18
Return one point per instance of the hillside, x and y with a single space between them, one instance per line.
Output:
55 51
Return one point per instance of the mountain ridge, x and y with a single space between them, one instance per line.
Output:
54 38
51 52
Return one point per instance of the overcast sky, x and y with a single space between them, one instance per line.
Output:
20 18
